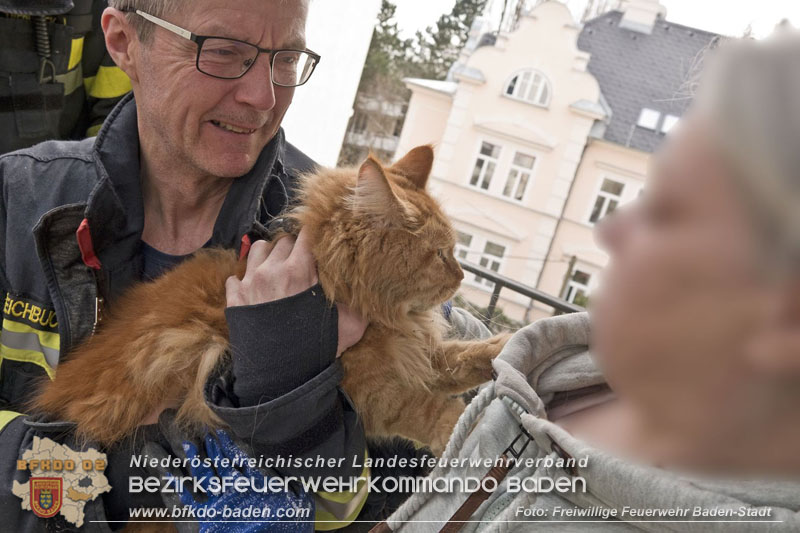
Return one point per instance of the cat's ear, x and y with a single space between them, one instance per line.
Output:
374 194
416 165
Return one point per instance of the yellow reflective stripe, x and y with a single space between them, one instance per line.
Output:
75 53
110 82
6 417
88 84
335 510
26 356
329 515
50 339
92 131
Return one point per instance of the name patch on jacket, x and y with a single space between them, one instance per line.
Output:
30 334
27 312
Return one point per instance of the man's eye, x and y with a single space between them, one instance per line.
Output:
221 51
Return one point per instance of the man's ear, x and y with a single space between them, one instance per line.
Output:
121 40
775 349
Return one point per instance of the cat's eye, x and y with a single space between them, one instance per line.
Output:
441 254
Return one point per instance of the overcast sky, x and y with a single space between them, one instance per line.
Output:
729 17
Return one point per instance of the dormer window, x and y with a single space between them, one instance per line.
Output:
530 86
648 118
669 123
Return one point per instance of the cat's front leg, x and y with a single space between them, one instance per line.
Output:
463 365
426 418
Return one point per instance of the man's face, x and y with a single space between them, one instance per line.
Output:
185 116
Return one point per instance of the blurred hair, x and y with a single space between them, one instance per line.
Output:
750 91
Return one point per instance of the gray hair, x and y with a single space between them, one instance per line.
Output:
157 8
750 91
160 8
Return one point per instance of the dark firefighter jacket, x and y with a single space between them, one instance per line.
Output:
71 219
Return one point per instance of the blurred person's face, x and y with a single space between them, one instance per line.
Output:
682 298
190 115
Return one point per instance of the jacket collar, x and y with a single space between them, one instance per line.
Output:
115 212
36 7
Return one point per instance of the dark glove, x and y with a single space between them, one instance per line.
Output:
280 345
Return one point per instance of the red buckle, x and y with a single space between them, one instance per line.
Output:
85 244
245 248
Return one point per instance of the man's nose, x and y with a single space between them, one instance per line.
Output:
255 87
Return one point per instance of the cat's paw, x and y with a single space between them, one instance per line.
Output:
497 343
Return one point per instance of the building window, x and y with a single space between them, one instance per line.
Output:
359 122
577 290
519 176
669 123
607 199
491 258
648 118
463 242
485 165
530 86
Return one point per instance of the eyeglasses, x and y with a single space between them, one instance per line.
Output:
229 59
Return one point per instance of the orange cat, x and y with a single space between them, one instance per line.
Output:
382 245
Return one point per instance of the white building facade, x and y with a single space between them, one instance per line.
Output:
541 133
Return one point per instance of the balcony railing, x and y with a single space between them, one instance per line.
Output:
370 140
561 306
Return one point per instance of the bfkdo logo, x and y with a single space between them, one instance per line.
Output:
46 495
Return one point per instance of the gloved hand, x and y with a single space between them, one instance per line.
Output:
214 509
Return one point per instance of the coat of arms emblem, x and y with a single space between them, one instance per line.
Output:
46 495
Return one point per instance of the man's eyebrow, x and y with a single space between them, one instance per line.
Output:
296 40
297 43
218 30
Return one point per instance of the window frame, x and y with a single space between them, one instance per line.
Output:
489 258
537 101
487 159
674 119
463 248
573 287
656 123
598 192
520 170
476 252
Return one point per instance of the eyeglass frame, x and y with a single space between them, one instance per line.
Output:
199 39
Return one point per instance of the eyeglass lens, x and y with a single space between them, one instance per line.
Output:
225 58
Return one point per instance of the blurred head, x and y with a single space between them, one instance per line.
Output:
186 117
698 319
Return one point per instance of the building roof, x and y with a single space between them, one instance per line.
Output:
446 87
636 70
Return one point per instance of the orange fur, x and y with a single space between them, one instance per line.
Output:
383 246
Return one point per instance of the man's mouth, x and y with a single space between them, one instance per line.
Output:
232 128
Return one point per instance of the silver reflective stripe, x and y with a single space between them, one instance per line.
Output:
29 341
72 80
